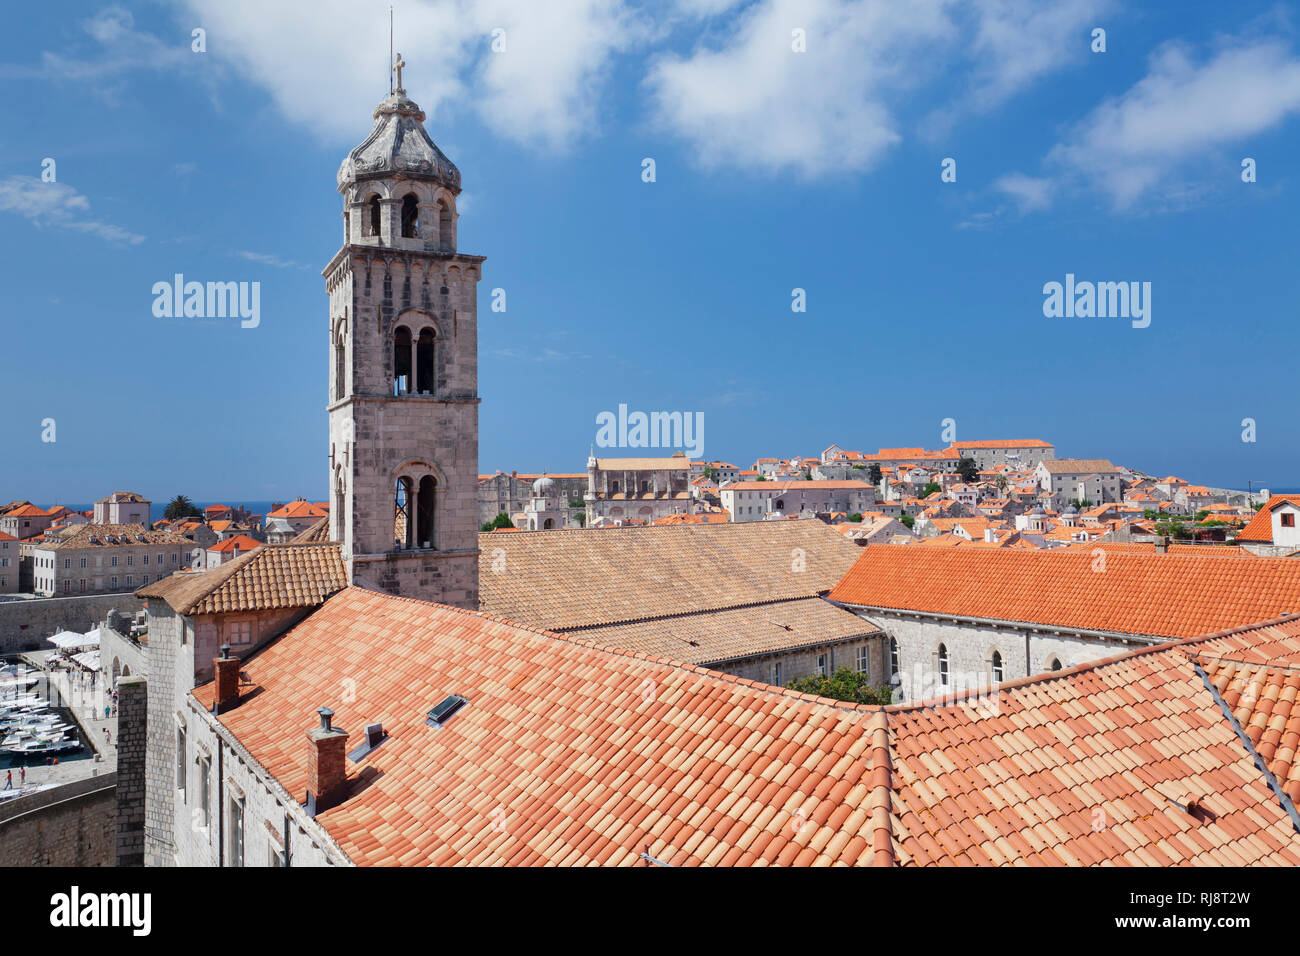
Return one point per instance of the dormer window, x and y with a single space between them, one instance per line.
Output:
410 217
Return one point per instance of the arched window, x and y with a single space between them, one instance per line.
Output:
1054 664
402 361
550 523
426 499
997 667
780 504
943 665
372 227
613 487
410 217
445 240
403 527
424 367
893 657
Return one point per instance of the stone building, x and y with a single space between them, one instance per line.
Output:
403 407
640 488
1020 453
123 507
9 563
99 558
508 494
757 500
1080 479
960 618
744 599
547 510
25 520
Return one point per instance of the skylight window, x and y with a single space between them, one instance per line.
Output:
440 714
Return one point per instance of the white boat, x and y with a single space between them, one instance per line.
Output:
33 733
43 745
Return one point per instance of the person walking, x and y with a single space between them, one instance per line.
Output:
22 775
108 738
9 780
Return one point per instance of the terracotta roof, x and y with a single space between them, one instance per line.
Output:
782 487
1162 595
1089 466
111 536
675 463
26 511
566 753
564 580
572 754
1008 443
299 509
710 638
316 534
240 542
1260 527
124 497
1128 761
273 576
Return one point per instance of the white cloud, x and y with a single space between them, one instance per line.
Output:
1178 113
750 101
324 61
757 104
57 204
1031 194
269 260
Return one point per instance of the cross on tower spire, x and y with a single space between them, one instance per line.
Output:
398 63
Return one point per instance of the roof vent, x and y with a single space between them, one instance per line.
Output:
375 735
439 715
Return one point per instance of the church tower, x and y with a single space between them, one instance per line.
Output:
403 401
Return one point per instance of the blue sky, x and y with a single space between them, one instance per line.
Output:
775 170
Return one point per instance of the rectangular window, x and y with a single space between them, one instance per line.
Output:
114 559
821 664
776 673
67 586
864 664
1288 521
114 580
67 563
236 832
276 855
130 559
83 562
128 580
146 559
83 584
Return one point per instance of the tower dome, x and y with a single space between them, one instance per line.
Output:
544 487
398 145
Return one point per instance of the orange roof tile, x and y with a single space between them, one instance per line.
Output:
1260 527
1170 595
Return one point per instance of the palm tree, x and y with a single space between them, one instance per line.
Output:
180 507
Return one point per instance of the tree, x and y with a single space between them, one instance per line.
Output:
502 520
874 474
856 517
761 478
181 507
845 684
710 472
1202 515
1081 503
907 520
1001 482
968 470
930 489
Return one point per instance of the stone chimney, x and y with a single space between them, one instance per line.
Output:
1162 544
326 762
991 535
227 670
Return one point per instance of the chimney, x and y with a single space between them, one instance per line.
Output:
326 762
990 535
227 671
1162 544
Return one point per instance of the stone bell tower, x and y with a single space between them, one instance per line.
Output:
403 406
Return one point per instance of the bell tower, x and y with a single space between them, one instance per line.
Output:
403 399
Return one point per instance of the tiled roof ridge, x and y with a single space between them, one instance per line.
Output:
1182 643
692 613
756 685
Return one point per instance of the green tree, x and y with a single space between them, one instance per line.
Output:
968 470
1081 503
502 520
930 489
907 520
710 472
845 684
761 478
1202 515
181 507
874 474
856 517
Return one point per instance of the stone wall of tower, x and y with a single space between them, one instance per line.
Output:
374 433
